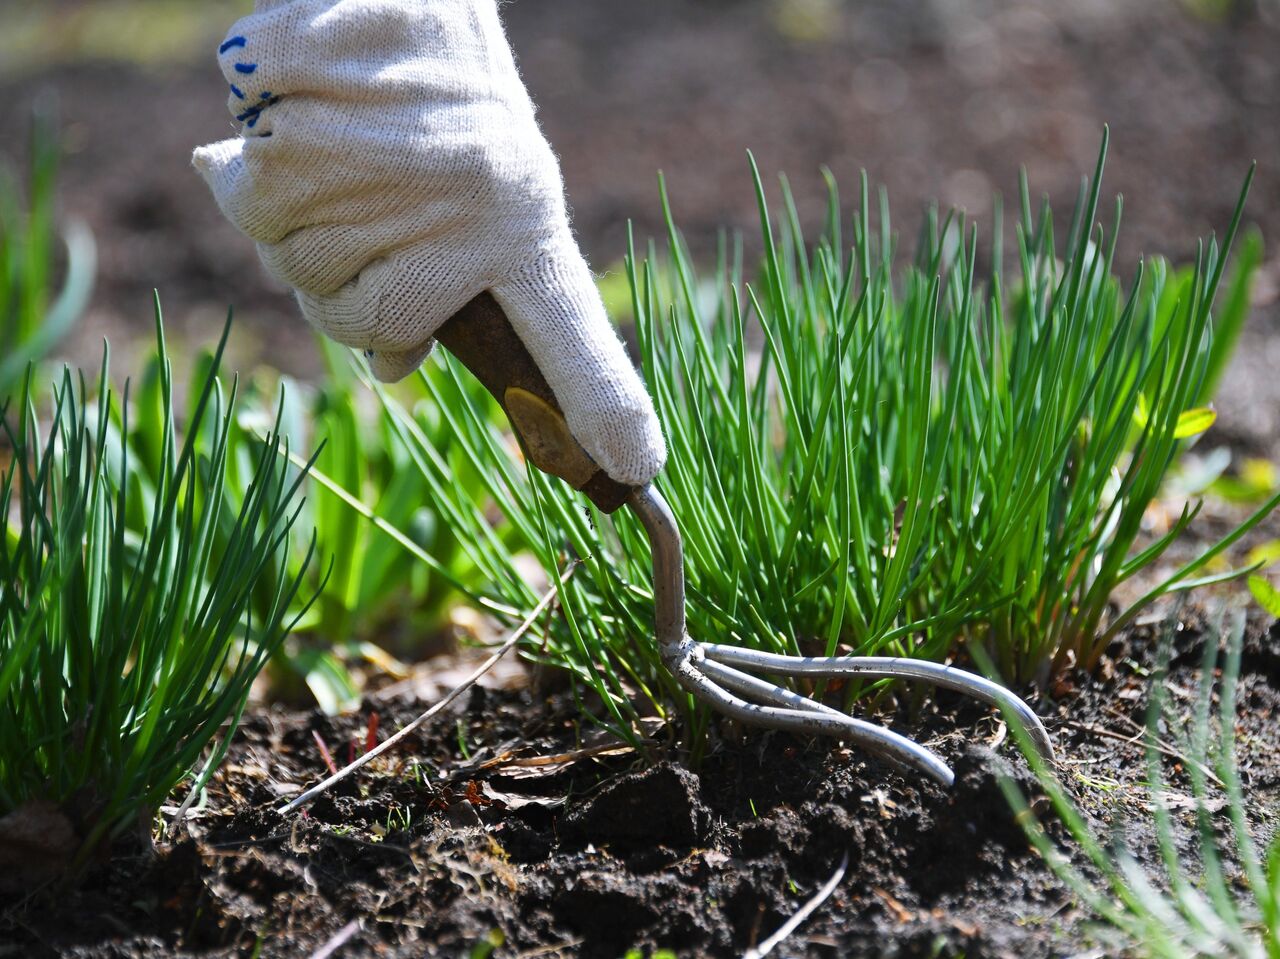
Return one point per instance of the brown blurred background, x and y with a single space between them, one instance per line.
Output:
936 99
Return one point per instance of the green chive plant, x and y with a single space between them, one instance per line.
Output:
127 648
1198 908
373 601
373 584
382 493
32 317
873 460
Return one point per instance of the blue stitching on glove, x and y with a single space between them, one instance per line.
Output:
254 112
265 98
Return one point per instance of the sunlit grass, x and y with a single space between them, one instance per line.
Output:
1196 908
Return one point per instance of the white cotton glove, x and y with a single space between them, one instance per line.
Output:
390 169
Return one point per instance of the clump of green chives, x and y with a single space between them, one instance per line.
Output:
875 458
127 649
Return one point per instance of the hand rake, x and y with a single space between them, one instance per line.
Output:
481 336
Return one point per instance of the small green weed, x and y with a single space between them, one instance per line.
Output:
487 946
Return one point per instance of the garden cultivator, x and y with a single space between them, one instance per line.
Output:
721 676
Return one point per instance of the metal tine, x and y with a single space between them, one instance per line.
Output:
888 667
694 665
814 717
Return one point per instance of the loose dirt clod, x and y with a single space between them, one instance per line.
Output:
661 806
37 842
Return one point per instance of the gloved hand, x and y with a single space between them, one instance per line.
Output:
390 168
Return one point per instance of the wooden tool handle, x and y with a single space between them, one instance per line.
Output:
481 336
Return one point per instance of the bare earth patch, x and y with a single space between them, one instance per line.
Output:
431 852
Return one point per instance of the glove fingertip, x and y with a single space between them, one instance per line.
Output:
391 367
217 163
639 462
621 432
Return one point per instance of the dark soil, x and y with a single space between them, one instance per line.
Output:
429 852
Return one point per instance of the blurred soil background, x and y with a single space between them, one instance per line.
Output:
936 99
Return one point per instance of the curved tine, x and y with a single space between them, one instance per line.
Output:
889 667
806 721
749 685
851 728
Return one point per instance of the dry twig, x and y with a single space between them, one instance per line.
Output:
803 913
340 939
457 691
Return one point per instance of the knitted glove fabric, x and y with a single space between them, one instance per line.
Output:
390 169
